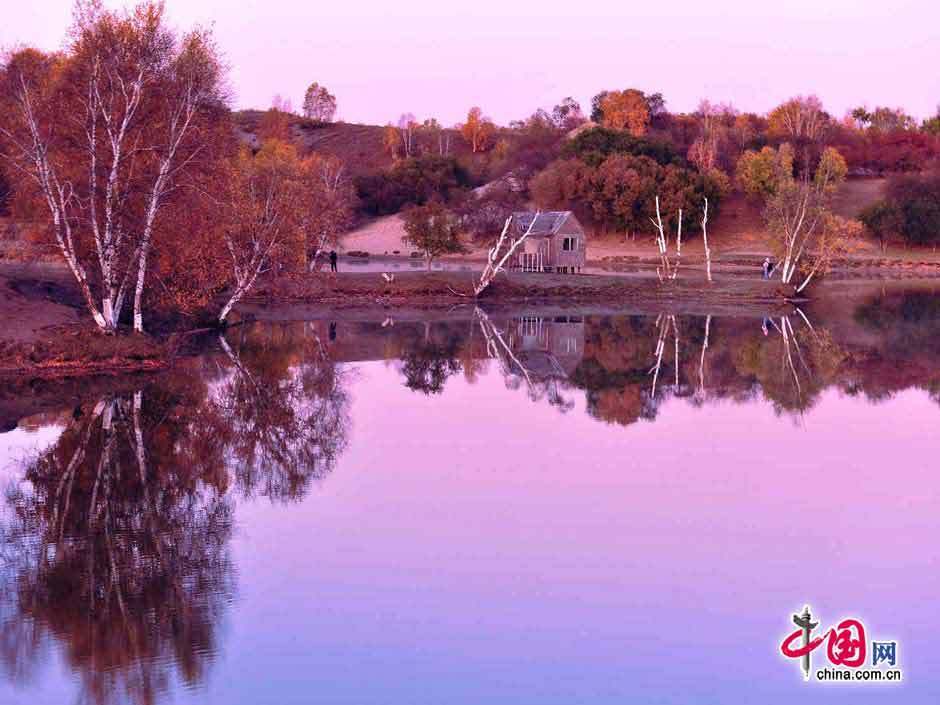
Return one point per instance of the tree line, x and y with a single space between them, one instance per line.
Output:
123 145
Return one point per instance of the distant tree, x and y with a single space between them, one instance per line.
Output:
477 130
713 146
434 230
916 199
861 117
890 119
407 128
563 185
659 115
567 114
319 103
748 132
501 149
626 110
533 143
882 219
759 173
594 145
932 125
797 214
274 125
282 104
391 142
798 120
619 193
436 139
412 181
597 110
898 149
655 106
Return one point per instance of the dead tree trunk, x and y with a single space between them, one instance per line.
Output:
708 252
495 263
666 270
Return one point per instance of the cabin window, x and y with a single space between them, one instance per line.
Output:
569 244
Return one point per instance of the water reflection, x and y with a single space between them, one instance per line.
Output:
627 366
116 541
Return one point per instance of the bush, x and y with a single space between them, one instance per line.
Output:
916 200
594 146
414 181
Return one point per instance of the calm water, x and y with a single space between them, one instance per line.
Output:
486 507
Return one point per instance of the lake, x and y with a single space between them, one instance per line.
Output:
552 505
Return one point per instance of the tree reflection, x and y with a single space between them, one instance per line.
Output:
119 552
115 544
284 424
632 365
427 362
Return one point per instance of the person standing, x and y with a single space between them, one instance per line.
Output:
766 267
332 260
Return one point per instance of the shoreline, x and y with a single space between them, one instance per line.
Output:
68 345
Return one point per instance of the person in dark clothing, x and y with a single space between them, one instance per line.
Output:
332 260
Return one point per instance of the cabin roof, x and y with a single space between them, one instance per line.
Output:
546 223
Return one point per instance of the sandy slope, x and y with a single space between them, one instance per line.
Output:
383 236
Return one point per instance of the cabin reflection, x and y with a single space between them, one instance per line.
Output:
549 347
536 351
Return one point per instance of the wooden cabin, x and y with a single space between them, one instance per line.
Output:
556 242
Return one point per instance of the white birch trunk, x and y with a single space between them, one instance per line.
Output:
495 263
708 252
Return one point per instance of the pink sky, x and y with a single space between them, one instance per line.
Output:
510 57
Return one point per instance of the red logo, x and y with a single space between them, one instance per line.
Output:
846 643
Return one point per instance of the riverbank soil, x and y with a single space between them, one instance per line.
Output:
36 296
46 330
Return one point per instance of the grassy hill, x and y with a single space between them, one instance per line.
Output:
359 147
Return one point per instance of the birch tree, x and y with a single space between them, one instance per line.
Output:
330 194
708 252
501 253
102 133
666 270
477 130
319 104
797 212
263 213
